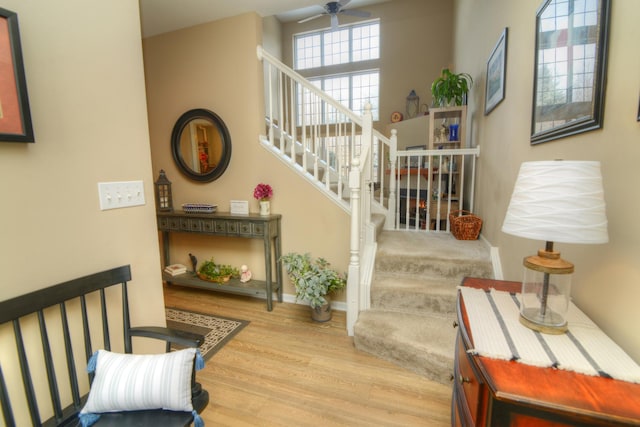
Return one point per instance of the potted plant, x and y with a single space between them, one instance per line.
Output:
218 273
450 88
314 280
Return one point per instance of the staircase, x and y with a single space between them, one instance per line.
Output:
413 294
362 171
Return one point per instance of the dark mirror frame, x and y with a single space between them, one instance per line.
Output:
181 124
582 122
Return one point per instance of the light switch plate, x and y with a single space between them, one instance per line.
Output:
124 194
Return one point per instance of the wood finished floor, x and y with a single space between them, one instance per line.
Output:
285 370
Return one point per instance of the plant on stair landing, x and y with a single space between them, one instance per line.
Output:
450 88
314 280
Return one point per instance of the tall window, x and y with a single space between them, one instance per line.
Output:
567 65
343 63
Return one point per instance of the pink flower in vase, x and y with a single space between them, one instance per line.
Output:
263 192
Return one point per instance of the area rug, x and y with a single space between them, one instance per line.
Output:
217 330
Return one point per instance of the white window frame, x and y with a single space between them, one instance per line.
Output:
348 69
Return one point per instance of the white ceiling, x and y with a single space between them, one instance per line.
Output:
161 16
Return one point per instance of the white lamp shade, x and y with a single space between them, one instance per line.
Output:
558 201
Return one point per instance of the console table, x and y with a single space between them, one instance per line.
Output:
494 392
251 226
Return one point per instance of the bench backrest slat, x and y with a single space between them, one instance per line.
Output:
105 321
5 403
68 349
26 374
48 362
88 349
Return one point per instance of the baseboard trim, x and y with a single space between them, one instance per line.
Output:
335 305
494 251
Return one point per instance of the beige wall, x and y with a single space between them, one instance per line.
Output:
605 284
86 88
215 66
416 45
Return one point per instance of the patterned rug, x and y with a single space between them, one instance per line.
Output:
217 330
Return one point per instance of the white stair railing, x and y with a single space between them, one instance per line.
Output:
358 168
333 148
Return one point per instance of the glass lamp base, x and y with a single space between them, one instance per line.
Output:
551 323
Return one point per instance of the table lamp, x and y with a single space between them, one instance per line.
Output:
554 201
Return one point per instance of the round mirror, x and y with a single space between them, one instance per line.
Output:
201 145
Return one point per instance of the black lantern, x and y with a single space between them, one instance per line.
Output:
164 198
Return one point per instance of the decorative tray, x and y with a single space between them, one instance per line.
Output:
199 208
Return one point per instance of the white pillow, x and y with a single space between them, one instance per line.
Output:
132 382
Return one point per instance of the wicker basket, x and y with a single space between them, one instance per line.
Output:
465 225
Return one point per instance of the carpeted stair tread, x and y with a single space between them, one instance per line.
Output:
390 280
431 255
421 343
431 267
432 245
413 295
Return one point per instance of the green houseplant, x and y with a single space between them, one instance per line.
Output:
313 280
218 273
450 88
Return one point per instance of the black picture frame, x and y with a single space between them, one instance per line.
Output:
638 118
561 109
15 115
496 74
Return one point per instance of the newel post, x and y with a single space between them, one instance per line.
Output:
353 281
390 222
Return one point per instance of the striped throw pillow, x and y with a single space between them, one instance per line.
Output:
130 382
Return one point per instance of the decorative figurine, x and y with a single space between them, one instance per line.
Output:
245 274
194 262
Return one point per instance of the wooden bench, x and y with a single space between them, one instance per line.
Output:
54 331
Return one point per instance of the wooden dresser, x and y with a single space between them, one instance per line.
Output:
493 392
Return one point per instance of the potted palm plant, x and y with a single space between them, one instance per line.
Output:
450 88
313 280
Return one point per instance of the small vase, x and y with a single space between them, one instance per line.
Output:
265 207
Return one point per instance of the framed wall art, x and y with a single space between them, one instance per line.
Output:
15 116
570 68
496 74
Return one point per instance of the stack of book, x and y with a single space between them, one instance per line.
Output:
175 269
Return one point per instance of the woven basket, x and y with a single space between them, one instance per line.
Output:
465 225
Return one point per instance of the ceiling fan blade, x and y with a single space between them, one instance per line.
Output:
334 22
343 3
355 12
302 21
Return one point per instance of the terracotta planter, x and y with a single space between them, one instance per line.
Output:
322 313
